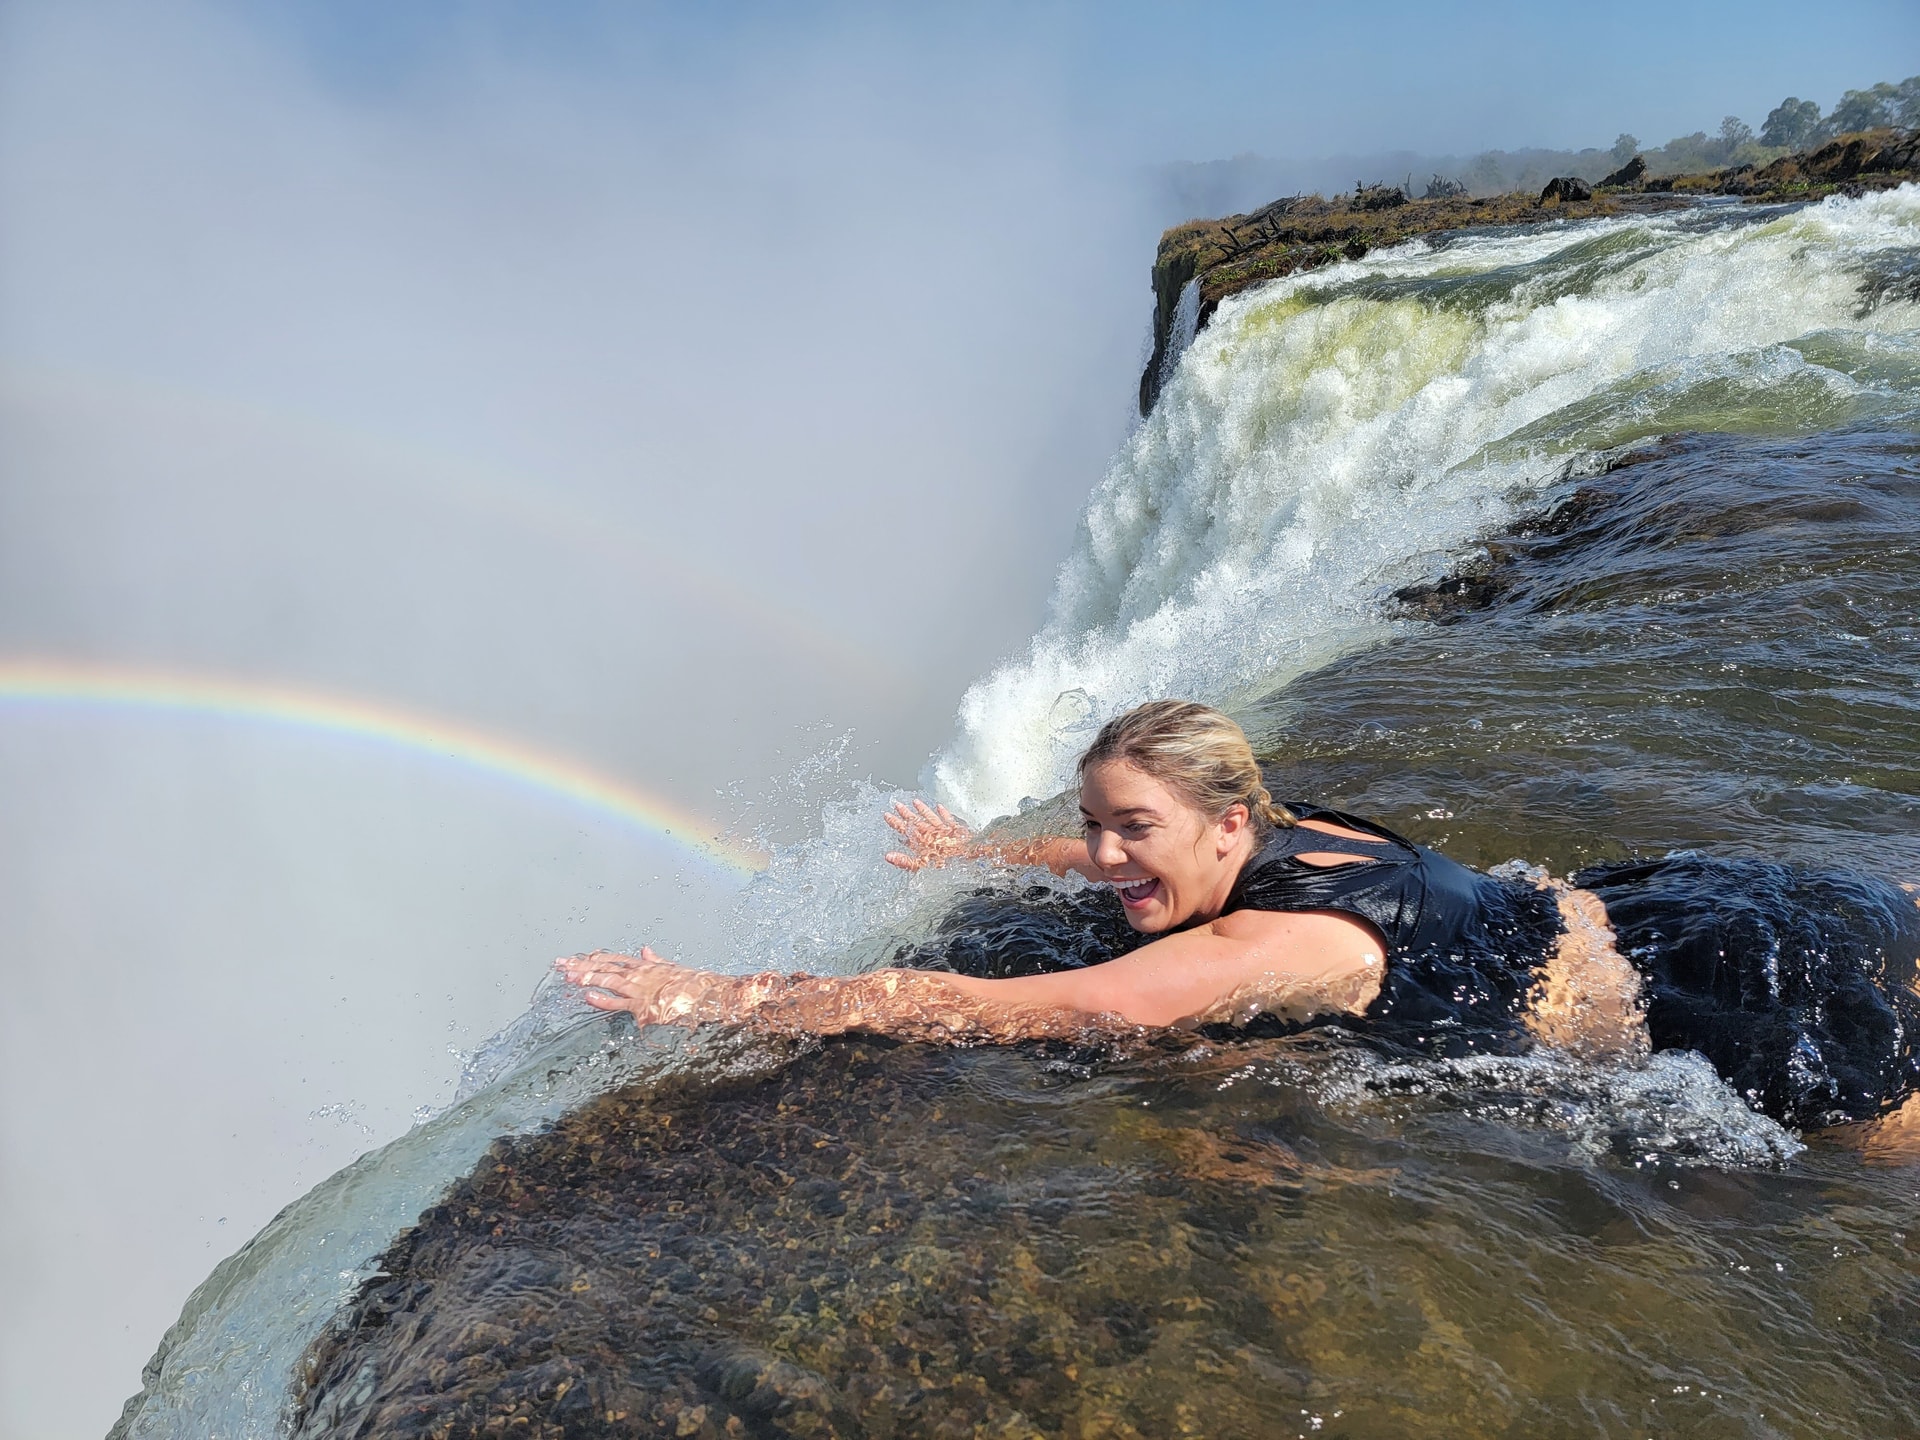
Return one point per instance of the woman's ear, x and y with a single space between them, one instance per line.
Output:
1232 822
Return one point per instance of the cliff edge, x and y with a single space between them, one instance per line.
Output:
1219 258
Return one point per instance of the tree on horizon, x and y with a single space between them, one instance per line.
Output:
1791 125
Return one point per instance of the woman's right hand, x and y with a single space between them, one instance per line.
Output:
654 990
933 836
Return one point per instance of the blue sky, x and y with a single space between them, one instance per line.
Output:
1159 82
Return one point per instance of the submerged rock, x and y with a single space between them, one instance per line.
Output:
878 1240
1263 1239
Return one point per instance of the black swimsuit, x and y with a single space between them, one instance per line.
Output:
1796 985
1461 947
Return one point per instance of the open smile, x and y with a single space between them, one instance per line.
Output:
1136 893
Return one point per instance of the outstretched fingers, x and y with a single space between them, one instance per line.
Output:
932 834
608 970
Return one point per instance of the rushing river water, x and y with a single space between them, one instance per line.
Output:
1561 546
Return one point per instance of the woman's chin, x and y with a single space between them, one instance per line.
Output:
1149 920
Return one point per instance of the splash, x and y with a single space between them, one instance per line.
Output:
1330 434
1668 1109
137 689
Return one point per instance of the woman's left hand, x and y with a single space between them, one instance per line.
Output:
655 991
932 834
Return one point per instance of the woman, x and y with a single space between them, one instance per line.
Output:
1309 915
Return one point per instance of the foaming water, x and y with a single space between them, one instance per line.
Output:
1665 1109
1329 433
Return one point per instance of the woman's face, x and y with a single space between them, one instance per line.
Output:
1169 862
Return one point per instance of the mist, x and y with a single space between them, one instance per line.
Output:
675 410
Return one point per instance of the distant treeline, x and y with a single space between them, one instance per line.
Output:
1226 187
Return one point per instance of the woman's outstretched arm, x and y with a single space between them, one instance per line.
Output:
1294 965
934 837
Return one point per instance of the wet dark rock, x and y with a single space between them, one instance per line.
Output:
866 1243
1450 598
1627 176
1565 188
1169 279
1506 565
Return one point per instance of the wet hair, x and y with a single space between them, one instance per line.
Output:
1194 750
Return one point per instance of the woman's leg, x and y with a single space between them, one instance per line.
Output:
1588 1000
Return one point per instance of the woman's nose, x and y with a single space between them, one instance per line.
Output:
1107 851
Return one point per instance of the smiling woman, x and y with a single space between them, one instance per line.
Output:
1300 914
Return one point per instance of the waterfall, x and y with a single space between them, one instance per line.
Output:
1335 434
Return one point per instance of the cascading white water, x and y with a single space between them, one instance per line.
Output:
1329 433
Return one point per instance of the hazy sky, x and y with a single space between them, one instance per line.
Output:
1135 81
673 388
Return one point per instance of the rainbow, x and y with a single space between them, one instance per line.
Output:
36 682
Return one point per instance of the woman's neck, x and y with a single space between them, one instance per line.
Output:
1246 846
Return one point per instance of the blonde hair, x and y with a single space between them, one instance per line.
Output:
1193 749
